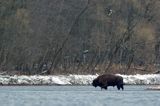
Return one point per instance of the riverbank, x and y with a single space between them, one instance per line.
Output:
147 79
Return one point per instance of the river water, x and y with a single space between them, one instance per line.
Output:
77 96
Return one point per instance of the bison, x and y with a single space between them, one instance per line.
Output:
106 80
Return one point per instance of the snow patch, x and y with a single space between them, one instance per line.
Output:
74 79
138 79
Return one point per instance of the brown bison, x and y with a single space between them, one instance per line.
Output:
106 80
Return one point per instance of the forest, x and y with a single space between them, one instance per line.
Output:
79 36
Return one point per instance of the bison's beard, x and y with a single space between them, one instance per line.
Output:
94 83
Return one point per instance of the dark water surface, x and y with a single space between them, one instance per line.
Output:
77 96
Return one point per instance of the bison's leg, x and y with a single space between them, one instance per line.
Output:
118 87
105 87
122 86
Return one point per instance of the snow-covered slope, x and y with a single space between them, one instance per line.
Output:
73 79
142 79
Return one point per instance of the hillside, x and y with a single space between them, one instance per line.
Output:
79 36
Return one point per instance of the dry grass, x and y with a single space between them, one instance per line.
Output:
99 69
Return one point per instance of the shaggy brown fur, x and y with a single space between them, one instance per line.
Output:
106 80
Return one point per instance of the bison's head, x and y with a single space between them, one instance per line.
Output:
95 83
